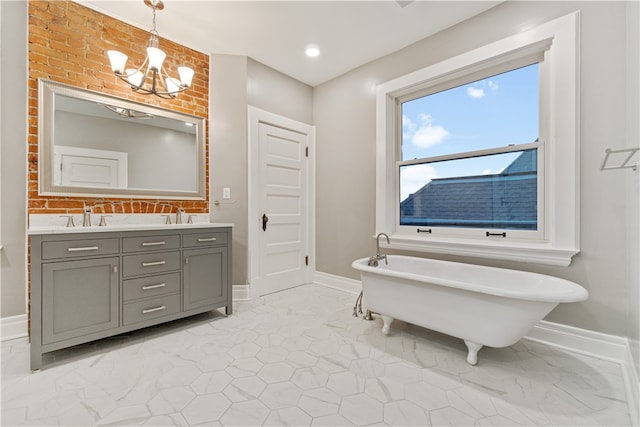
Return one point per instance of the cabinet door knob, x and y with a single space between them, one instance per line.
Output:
186 260
115 268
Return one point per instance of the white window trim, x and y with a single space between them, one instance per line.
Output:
560 113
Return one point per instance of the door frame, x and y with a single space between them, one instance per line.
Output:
255 117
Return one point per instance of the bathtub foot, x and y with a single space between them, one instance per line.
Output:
387 324
472 356
368 316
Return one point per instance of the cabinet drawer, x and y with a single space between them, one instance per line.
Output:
204 238
78 248
156 262
150 243
148 309
150 286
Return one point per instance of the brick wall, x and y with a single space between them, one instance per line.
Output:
68 44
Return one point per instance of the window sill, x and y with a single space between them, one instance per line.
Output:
539 253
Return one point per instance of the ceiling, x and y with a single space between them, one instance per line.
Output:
276 33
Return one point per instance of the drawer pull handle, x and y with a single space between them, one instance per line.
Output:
159 285
154 243
84 248
152 263
151 310
208 239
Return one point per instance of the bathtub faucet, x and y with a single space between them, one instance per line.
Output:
373 261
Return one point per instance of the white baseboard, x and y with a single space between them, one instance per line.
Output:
595 344
632 384
583 341
345 284
241 292
13 327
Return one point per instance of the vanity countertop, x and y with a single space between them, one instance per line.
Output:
55 224
57 229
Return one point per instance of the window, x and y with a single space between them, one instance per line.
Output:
478 155
469 155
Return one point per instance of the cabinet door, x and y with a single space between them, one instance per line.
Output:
79 298
205 278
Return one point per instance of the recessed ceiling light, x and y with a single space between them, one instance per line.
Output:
312 51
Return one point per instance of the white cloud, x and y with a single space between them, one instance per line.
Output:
413 178
425 134
475 92
493 85
408 126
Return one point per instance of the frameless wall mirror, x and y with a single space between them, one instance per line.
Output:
101 146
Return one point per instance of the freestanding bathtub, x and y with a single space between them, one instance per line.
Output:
484 306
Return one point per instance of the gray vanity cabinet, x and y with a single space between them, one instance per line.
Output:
92 285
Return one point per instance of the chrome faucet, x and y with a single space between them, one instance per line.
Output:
373 261
179 214
86 217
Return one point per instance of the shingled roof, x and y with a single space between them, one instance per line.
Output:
507 200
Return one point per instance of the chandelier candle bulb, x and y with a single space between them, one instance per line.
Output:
172 85
135 77
186 75
118 61
156 58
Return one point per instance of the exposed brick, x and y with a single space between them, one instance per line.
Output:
66 204
68 44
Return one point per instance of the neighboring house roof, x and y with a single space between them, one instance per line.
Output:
505 200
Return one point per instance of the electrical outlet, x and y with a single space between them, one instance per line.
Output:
226 193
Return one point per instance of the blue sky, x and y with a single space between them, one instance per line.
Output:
492 112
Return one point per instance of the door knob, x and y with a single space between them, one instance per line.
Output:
265 219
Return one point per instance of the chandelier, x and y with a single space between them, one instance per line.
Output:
159 83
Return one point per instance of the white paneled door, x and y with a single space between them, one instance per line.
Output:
283 223
87 167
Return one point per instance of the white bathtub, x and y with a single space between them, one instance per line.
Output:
481 305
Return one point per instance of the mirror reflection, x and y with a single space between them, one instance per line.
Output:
101 145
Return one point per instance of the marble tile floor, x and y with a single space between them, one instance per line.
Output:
300 358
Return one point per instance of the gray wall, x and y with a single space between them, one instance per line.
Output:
277 93
13 157
228 152
344 115
633 140
236 83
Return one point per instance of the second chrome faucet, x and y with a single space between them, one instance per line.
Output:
373 261
179 213
86 217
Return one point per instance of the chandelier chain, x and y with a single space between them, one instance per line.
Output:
154 21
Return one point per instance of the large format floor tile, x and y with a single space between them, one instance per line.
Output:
300 358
